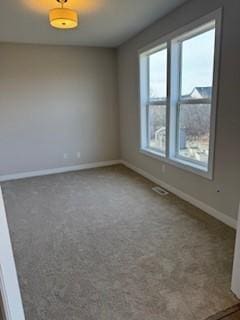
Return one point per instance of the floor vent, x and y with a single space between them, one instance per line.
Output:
160 191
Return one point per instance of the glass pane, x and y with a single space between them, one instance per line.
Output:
198 66
157 127
158 75
194 131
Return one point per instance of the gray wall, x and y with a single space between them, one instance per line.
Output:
227 155
56 100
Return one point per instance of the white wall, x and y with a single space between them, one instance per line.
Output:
9 286
227 152
56 100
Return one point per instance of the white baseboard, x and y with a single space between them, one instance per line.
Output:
58 170
197 203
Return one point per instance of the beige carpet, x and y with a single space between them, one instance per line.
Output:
100 245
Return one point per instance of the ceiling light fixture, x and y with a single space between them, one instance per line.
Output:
63 18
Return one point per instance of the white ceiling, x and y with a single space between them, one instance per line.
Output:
102 22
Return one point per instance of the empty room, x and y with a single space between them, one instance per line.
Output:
119 160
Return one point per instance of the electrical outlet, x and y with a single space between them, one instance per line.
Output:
65 156
163 168
78 155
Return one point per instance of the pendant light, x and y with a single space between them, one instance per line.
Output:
63 18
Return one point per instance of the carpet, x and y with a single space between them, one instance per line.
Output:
101 245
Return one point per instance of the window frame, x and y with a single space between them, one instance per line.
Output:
172 41
147 99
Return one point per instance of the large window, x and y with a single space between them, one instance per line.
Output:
178 96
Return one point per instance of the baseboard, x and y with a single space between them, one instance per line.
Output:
197 203
58 170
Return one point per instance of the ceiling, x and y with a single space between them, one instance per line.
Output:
105 23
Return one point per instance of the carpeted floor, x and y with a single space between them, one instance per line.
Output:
100 245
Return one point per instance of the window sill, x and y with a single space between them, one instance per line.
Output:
179 163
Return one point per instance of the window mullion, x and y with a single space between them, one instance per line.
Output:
147 125
175 85
158 102
195 101
148 102
168 104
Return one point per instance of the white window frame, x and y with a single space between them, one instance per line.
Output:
145 89
171 41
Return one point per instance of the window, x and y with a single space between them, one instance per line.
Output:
194 105
178 92
157 101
